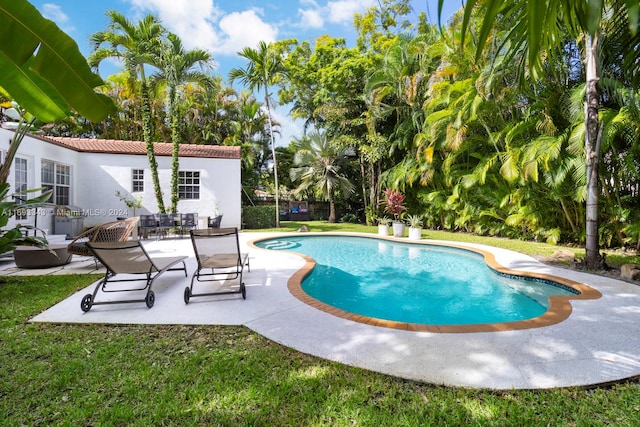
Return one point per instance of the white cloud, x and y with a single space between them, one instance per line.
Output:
193 21
342 11
174 11
242 29
201 24
54 12
311 18
336 12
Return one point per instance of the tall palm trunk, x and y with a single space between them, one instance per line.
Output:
273 153
175 150
148 139
332 207
363 176
593 136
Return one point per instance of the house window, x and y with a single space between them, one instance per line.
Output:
137 180
188 185
57 177
20 185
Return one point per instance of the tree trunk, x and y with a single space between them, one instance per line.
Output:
175 150
363 176
374 183
273 153
593 259
332 208
372 187
567 216
148 139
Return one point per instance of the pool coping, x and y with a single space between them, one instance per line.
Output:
559 305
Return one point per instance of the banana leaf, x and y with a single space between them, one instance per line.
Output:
42 68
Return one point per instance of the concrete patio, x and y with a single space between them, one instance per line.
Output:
598 343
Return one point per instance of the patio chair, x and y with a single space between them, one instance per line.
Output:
114 231
188 222
148 224
131 260
166 223
219 260
214 221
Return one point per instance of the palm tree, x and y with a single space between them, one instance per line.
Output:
177 68
249 130
208 110
264 69
321 165
137 45
538 30
396 89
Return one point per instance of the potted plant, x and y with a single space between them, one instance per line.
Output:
415 227
383 225
394 204
131 202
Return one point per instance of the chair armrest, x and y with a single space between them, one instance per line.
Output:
78 246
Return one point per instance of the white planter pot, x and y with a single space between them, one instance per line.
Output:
398 229
383 230
415 233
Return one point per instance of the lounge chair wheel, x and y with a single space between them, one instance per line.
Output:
86 303
150 299
187 295
243 290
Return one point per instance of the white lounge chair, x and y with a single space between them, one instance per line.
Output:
219 259
132 260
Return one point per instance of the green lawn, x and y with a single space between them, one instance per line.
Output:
218 375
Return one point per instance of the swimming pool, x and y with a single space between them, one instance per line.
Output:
412 283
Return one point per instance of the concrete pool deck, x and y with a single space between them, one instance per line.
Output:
598 343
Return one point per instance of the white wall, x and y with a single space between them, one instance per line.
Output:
96 177
34 150
100 176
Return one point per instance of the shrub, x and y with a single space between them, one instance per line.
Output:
349 217
258 217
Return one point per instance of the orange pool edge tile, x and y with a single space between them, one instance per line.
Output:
559 306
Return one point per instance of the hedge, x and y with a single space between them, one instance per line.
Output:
258 217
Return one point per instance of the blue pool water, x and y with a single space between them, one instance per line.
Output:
414 283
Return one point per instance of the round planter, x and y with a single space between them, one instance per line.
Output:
398 229
383 230
415 233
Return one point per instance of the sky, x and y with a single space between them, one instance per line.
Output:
224 27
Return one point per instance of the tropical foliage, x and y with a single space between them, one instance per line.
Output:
322 166
533 32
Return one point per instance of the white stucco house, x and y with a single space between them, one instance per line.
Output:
87 174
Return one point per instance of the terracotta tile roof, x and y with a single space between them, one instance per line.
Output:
117 146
